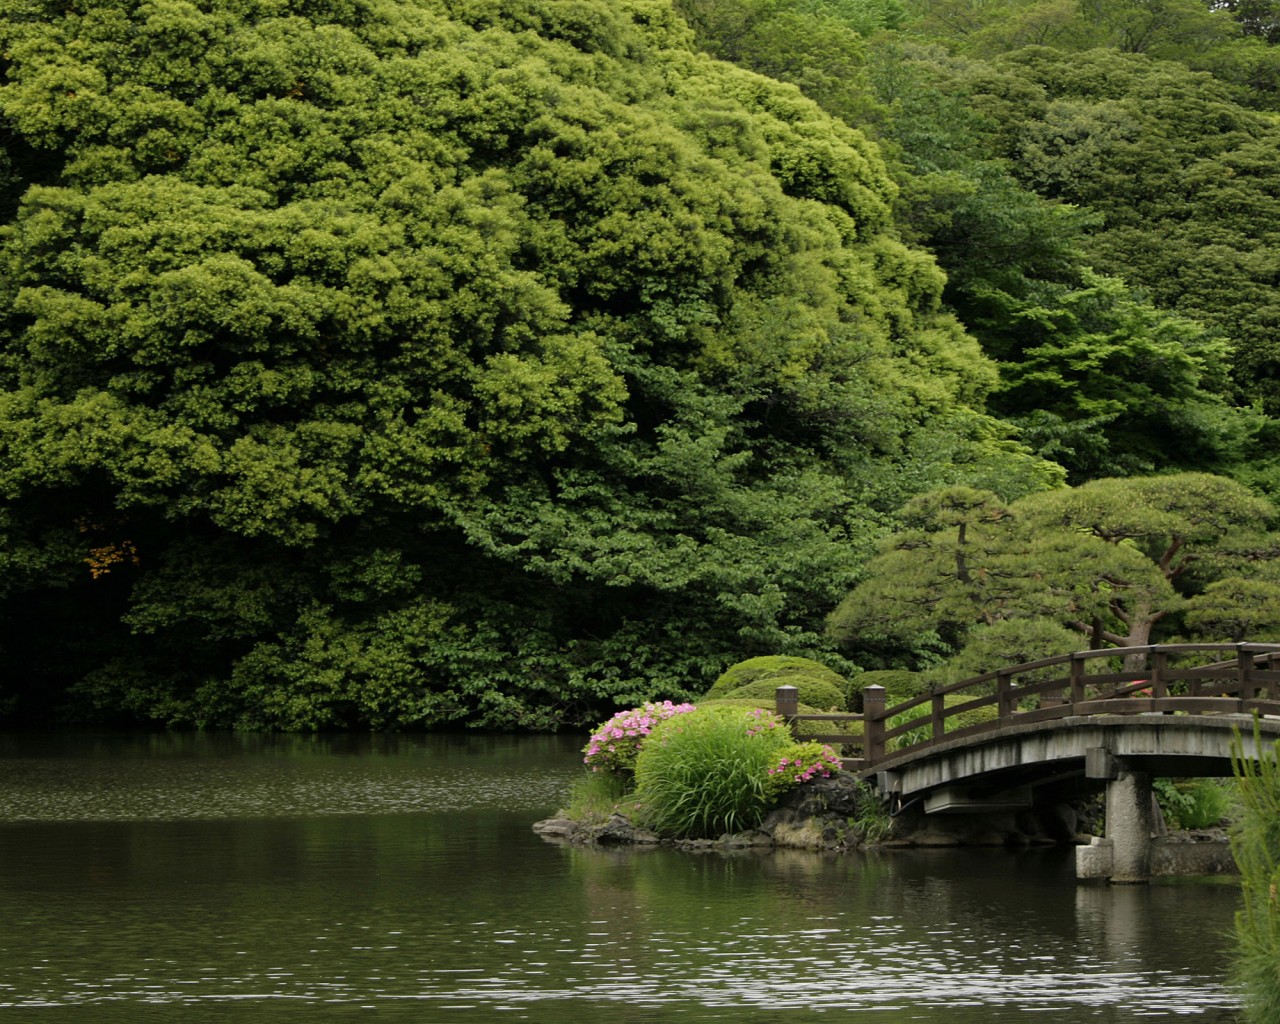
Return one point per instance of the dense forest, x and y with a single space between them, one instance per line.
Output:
430 363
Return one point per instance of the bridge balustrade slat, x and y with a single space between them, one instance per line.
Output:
959 734
985 700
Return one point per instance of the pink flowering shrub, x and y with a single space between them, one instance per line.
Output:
613 747
802 762
760 721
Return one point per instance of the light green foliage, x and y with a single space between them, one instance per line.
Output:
1255 843
814 44
1108 561
595 796
706 773
1239 608
899 684
815 691
1194 803
492 365
1013 641
779 670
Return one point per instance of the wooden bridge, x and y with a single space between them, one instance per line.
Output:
1115 717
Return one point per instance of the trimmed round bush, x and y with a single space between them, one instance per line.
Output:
772 666
816 691
899 683
852 728
705 773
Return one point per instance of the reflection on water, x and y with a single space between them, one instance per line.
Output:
170 776
148 878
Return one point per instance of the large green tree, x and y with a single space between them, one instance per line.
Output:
1116 561
384 363
1094 375
1184 177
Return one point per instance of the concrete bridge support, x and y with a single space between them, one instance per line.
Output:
1129 826
1124 856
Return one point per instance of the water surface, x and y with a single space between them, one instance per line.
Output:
166 878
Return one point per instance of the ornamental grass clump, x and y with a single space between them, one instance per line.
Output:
706 773
1255 842
613 746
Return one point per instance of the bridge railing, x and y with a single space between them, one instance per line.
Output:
1201 679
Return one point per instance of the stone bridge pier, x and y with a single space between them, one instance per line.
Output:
1124 854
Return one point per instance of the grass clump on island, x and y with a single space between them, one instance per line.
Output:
692 773
1255 842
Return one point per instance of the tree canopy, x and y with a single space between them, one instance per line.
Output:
403 363
394 363
1117 562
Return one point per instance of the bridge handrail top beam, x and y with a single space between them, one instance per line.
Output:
1253 647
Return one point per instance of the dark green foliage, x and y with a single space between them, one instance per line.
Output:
1095 375
1260 18
1185 177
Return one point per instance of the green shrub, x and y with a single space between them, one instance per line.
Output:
899 684
1193 803
771 666
595 796
801 762
613 745
705 773
851 728
815 691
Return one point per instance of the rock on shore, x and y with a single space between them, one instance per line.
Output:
841 813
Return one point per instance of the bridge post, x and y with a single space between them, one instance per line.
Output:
1077 678
873 724
786 702
1129 823
1244 672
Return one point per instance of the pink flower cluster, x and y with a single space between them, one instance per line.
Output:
804 762
613 746
759 720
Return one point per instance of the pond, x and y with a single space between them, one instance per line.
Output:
182 877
